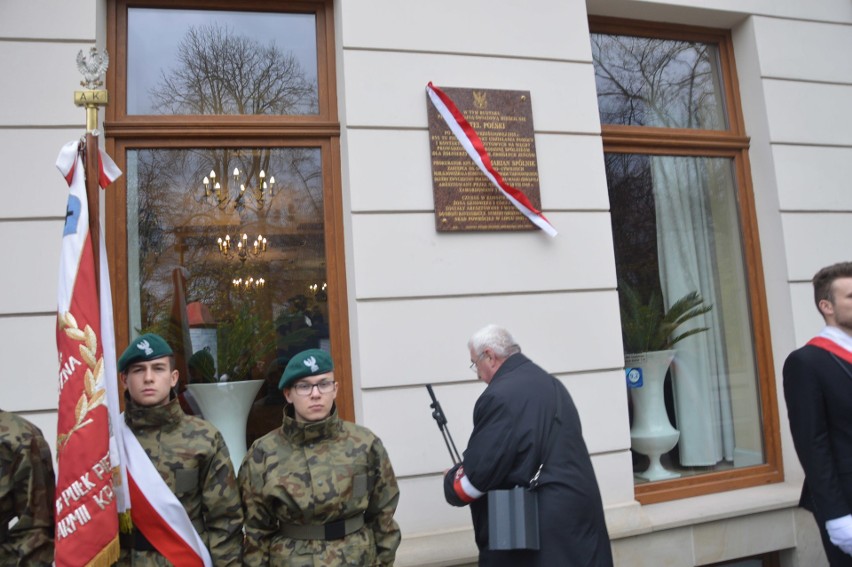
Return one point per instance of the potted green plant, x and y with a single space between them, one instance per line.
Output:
244 342
647 327
649 332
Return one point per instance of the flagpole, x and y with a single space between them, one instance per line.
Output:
92 67
90 154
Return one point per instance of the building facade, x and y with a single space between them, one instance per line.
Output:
766 147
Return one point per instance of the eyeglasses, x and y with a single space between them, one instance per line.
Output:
305 389
473 364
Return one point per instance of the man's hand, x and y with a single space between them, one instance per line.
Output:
840 532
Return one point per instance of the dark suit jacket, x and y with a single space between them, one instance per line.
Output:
818 391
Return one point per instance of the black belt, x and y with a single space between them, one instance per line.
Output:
333 530
135 540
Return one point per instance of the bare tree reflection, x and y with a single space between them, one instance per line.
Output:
646 81
219 72
657 82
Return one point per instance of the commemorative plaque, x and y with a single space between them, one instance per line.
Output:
465 199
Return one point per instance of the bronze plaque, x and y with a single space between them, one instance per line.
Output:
465 199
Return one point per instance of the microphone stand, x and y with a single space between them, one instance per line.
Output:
439 416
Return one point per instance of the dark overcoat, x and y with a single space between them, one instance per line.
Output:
511 423
818 392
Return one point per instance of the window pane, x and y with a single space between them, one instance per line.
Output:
676 230
658 82
211 62
174 224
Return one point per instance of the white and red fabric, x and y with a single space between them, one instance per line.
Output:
474 147
464 489
87 497
157 512
834 341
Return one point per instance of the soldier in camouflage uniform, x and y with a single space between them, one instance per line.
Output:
27 489
188 452
319 491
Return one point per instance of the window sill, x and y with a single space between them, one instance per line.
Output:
635 519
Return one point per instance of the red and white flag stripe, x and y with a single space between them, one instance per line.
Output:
157 512
474 147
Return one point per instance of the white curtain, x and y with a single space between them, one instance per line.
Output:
685 247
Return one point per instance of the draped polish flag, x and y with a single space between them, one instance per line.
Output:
158 513
88 497
474 147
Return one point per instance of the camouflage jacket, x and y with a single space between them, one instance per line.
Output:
314 474
191 456
27 486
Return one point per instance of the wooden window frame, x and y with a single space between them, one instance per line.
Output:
731 143
322 130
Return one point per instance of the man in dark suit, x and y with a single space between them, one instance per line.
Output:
818 391
524 422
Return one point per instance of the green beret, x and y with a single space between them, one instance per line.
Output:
309 362
144 347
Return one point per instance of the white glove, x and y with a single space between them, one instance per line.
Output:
840 532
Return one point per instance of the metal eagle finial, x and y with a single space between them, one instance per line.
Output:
92 66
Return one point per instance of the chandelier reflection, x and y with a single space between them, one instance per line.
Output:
318 291
243 250
221 196
316 288
248 283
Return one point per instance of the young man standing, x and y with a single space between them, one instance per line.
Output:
818 390
189 455
318 490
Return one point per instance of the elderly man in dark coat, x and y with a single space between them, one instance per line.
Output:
513 420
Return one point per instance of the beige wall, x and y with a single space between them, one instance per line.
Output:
417 295
39 42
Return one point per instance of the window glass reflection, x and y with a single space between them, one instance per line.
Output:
212 62
252 304
675 231
645 81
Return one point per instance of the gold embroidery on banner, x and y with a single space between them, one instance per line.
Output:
94 393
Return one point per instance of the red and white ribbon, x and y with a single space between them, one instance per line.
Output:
474 147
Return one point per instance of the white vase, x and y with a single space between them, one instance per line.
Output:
226 405
651 433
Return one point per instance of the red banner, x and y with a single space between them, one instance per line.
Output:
86 501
